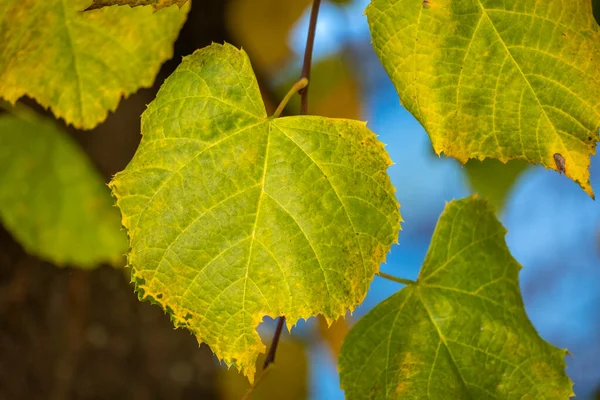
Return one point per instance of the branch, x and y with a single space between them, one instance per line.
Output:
271 355
310 41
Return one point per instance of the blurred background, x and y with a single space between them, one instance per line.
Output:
69 333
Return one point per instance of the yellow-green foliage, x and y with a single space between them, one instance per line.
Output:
80 64
52 199
459 332
233 215
505 79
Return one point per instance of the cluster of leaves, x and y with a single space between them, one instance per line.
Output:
79 65
234 215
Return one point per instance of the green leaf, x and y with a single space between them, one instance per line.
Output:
461 331
512 79
493 180
81 64
233 215
156 4
52 199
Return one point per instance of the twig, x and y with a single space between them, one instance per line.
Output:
271 354
310 41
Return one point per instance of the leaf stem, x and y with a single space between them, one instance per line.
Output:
298 86
396 279
310 41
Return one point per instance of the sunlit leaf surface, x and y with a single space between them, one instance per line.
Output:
233 215
80 64
511 79
460 332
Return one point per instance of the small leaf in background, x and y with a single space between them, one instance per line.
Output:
286 379
80 64
493 180
156 4
52 200
497 79
334 91
233 216
262 28
333 334
461 331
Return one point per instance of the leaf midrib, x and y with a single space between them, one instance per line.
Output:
444 341
501 40
258 206
74 64
259 203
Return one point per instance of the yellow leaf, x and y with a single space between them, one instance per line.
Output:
233 215
80 64
510 80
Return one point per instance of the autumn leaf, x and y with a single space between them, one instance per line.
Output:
80 64
52 200
459 332
233 215
497 79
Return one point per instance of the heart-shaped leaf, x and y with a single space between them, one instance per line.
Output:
233 215
459 332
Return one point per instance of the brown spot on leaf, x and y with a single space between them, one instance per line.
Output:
560 162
